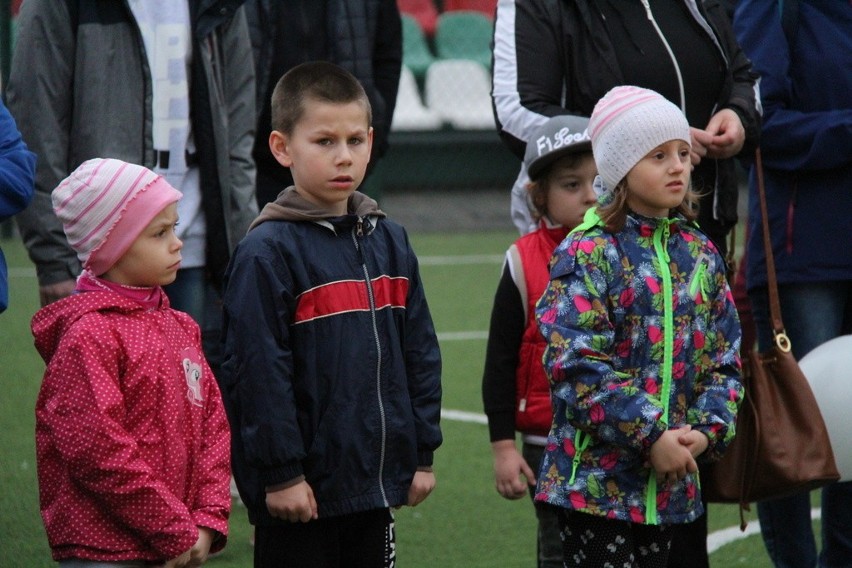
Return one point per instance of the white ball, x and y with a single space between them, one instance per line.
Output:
828 369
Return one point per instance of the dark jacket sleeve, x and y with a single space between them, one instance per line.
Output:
501 358
257 369
528 69
423 366
744 97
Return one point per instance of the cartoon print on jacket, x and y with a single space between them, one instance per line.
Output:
191 359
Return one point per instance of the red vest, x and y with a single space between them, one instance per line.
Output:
533 413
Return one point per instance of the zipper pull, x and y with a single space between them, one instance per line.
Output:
359 227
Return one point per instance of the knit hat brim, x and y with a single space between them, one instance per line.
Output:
626 124
146 204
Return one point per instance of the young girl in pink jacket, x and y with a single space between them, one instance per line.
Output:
132 441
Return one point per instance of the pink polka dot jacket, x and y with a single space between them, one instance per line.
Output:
132 441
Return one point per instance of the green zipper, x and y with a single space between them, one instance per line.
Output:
661 237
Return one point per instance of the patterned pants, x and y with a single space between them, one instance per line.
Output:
593 541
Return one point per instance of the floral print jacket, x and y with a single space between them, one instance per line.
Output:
643 336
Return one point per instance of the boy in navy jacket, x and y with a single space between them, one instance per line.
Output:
332 372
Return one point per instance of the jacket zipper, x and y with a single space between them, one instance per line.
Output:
650 15
357 233
661 238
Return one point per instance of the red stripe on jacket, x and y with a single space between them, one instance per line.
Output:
350 296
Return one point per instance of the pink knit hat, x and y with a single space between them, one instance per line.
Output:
626 124
105 204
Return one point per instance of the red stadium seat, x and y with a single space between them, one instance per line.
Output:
424 11
487 7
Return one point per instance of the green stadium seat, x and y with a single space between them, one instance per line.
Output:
416 54
464 34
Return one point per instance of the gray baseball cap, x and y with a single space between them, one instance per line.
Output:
559 136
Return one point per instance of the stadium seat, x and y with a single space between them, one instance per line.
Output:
459 91
410 114
424 11
415 50
464 34
487 7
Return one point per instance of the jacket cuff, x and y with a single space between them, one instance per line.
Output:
424 459
501 425
280 475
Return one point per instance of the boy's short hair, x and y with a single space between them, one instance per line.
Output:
318 81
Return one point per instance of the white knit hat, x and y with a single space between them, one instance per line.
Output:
626 124
105 204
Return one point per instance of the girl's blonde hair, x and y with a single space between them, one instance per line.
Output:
614 212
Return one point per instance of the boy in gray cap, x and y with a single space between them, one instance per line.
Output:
515 390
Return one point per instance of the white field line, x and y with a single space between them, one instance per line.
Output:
462 335
715 540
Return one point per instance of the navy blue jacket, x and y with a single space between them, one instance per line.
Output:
332 368
806 142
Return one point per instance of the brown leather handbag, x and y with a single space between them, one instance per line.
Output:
782 445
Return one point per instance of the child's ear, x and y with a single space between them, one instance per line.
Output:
279 146
370 140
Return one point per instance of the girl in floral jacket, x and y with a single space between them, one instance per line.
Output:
643 342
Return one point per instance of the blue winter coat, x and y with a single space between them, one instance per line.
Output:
17 174
806 142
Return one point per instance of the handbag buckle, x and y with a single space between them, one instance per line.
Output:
783 342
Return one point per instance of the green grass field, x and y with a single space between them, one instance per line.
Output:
464 524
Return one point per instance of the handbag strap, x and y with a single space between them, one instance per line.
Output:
778 331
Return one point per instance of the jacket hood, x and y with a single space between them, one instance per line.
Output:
52 322
290 206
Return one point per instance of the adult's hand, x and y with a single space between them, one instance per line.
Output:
49 293
727 132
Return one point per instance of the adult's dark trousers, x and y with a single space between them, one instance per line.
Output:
359 540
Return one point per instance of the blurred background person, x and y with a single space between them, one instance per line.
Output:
803 52
362 36
175 94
